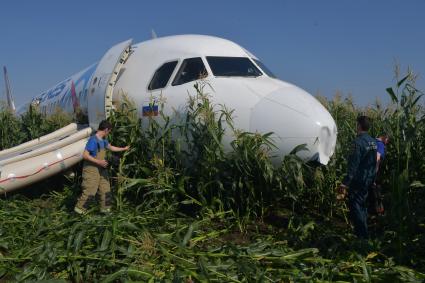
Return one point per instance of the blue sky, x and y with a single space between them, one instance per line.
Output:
321 46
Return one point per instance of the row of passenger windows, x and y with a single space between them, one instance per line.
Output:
194 69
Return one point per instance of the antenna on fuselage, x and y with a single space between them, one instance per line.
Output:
10 103
153 34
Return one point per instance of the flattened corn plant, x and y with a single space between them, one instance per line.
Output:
41 240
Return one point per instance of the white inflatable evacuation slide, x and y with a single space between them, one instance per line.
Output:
41 158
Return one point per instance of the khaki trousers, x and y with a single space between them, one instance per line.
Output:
95 179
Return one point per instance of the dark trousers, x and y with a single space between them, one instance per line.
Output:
358 211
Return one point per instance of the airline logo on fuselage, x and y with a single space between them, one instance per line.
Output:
66 89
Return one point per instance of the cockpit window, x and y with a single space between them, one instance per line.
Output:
192 69
162 75
233 67
264 68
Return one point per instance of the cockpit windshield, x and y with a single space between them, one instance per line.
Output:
233 67
264 68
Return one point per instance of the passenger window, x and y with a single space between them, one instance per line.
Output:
192 69
162 75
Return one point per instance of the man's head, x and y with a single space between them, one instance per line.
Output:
363 124
105 127
385 138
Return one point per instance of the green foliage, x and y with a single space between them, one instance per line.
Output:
407 123
41 240
194 163
198 200
10 130
32 124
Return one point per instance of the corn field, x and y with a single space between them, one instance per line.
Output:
188 210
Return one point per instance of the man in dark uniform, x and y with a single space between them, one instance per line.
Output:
361 173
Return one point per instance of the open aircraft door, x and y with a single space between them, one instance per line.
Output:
103 81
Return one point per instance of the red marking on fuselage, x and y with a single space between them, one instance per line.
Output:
74 97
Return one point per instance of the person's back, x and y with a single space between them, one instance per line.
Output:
364 174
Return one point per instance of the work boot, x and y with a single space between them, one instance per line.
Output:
80 211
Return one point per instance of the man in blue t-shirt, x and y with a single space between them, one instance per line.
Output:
95 172
381 142
376 205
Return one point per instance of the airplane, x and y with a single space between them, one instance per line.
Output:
168 67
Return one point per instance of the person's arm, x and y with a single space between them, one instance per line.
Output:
378 161
88 157
116 148
353 164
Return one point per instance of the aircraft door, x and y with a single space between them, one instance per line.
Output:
103 81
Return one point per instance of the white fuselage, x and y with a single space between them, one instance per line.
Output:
168 67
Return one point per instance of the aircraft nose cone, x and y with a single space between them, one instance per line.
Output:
326 143
295 117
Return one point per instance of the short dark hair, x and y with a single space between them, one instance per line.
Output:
385 136
103 125
364 122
